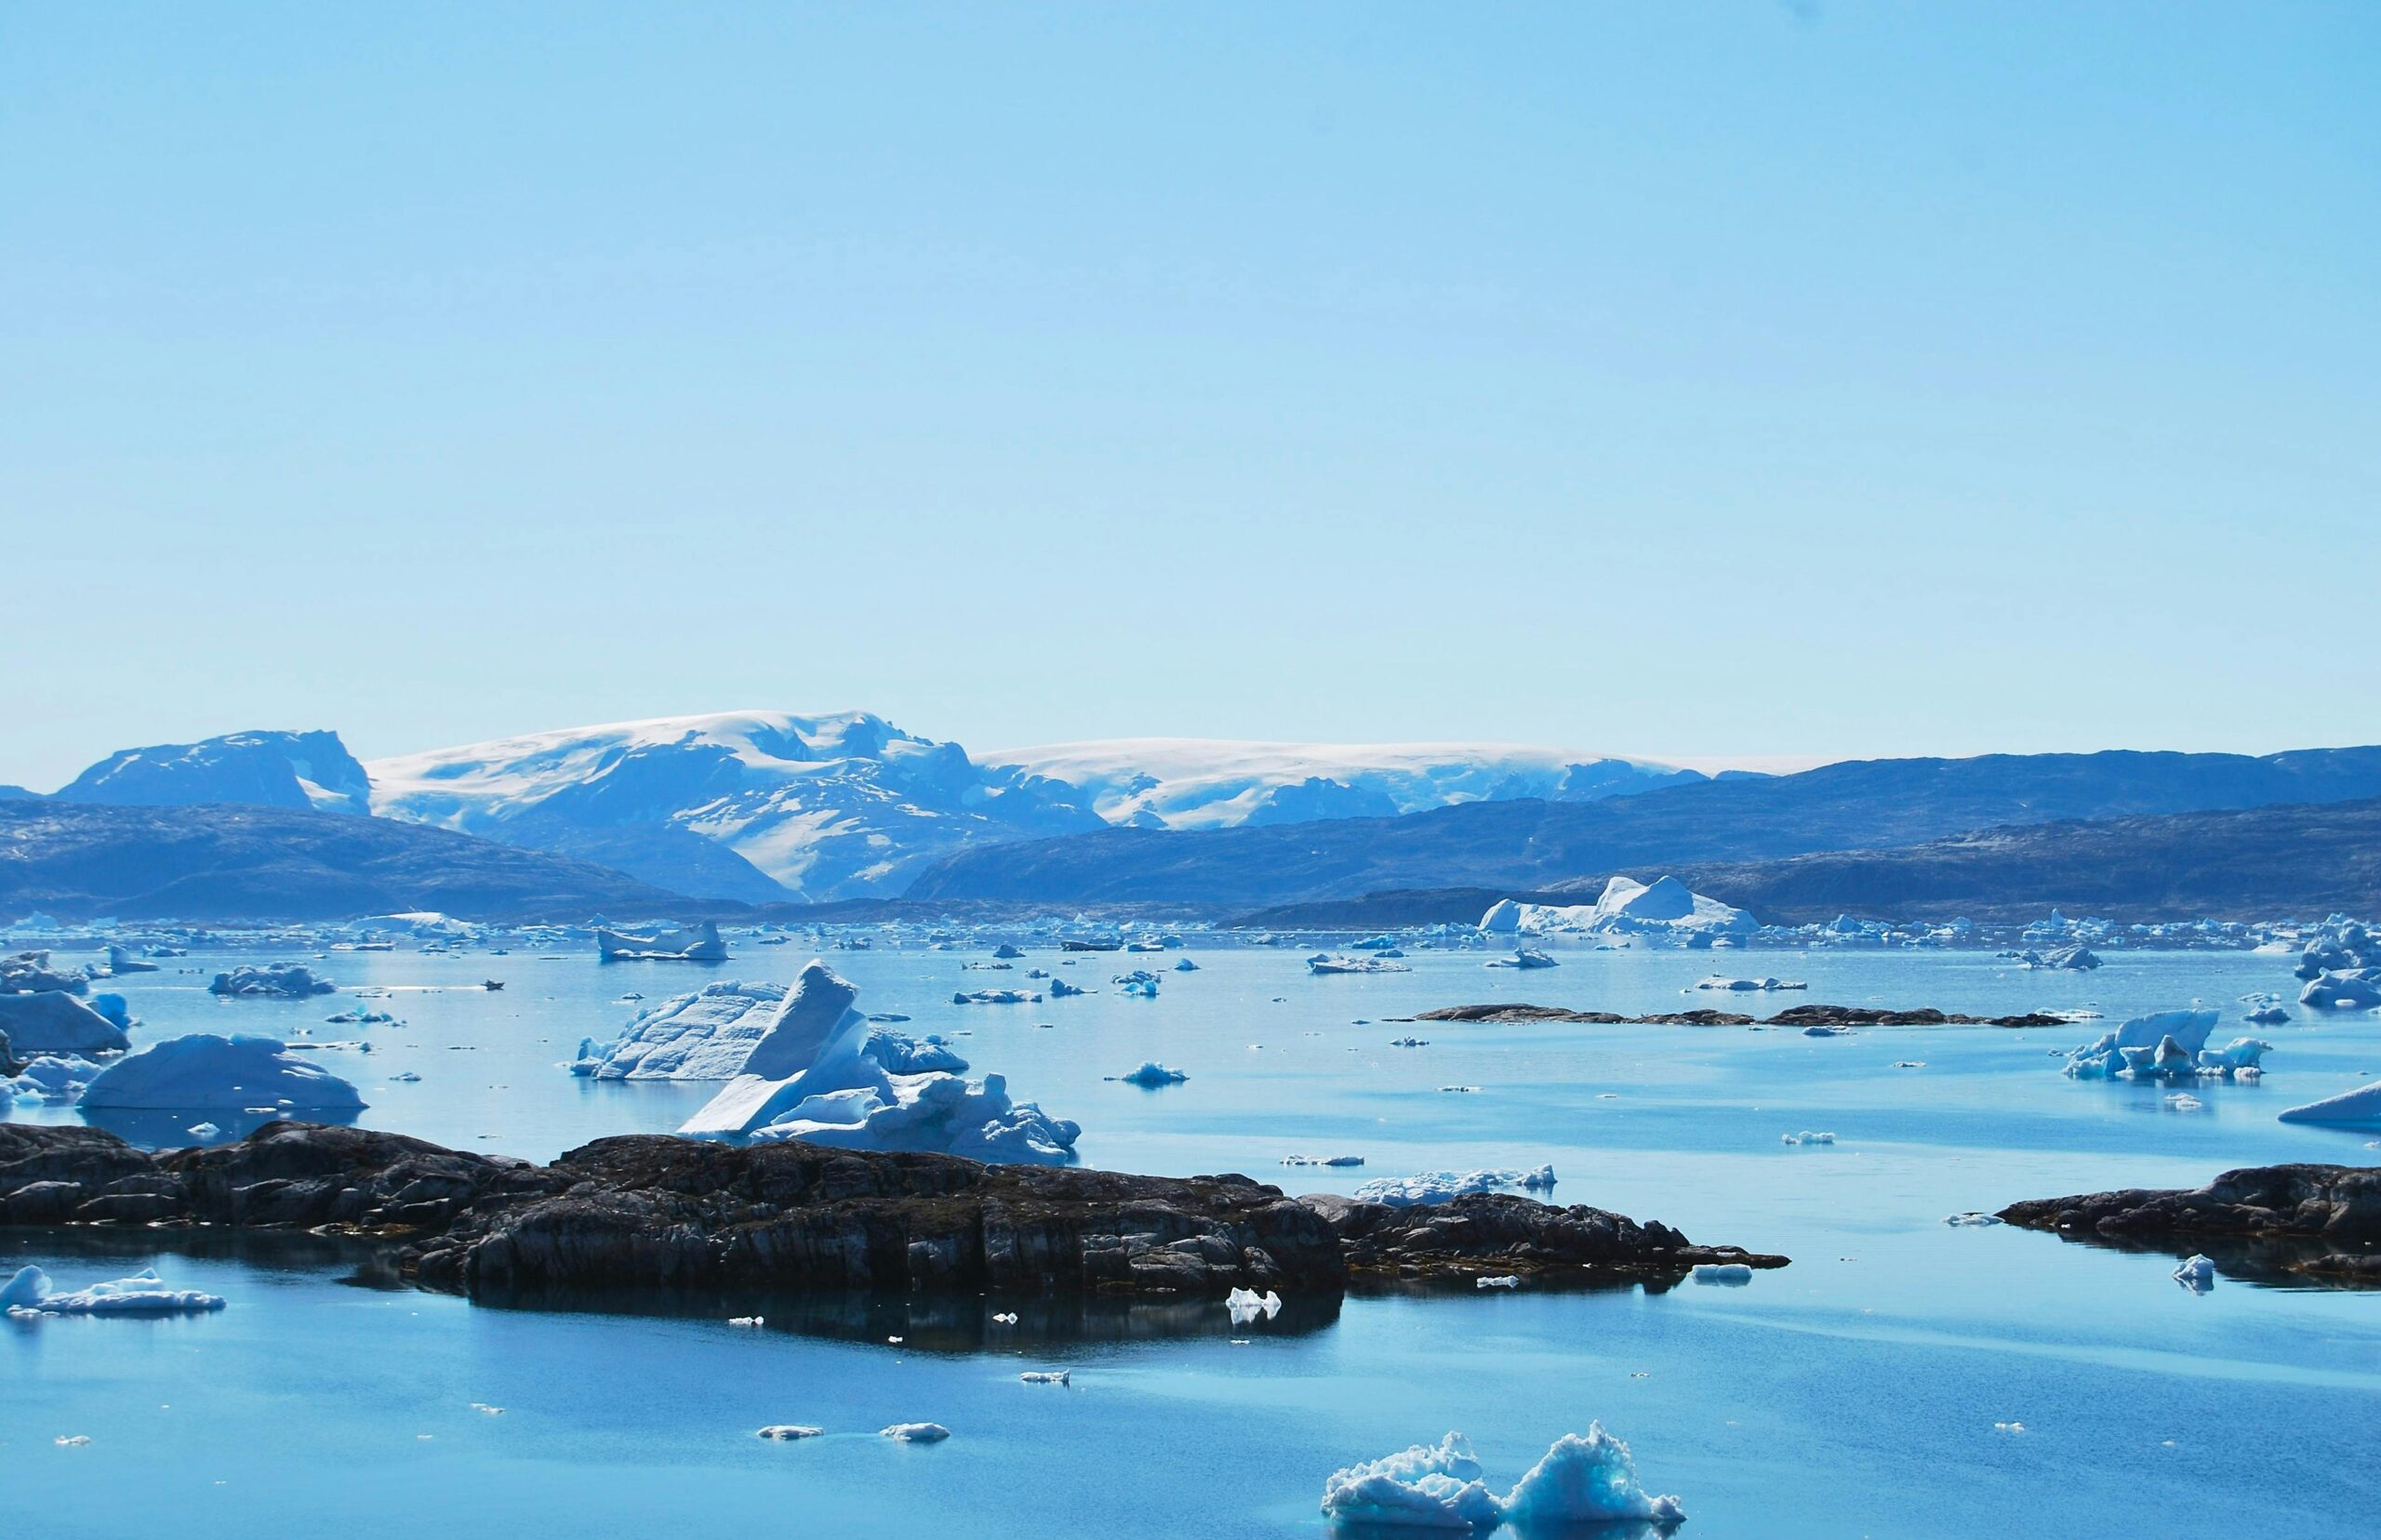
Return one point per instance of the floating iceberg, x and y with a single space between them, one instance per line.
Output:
2264 1010
1579 1481
1662 911
918 1432
1522 957
1807 1138
2164 1044
1140 983
821 1072
996 997
50 1077
1747 985
1327 963
2197 1274
271 982
1438 1186
1248 1304
696 943
789 1431
206 1072
52 1021
2361 1105
1731 1274
30 1295
710 1033
2354 989
29 972
1062 990
2076 959
123 962
1151 1074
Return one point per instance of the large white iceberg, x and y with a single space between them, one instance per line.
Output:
822 1073
30 1295
1661 911
2163 1043
204 1072
1579 1481
710 1035
696 943
2350 989
55 1022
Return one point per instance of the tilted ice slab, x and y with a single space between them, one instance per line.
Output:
1437 1186
206 1072
53 1021
822 1073
2358 1106
1580 1480
710 1033
30 1295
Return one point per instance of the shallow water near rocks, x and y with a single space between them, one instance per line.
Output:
1857 1392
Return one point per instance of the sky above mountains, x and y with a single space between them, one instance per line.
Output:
1820 380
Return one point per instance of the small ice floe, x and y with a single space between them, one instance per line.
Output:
2264 1010
1409 1042
1909 1064
1508 1281
30 1295
1806 1137
1437 1186
71 1440
2197 1274
1248 1304
1732 1274
1579 1481
1140 983
1742 985
406 1077
1004 1318
746 1320
202 1131
1322 1159
1047 1376
1523 957
917 1432
484 1409
1327 963
2183 1101
1151 1074
1970 1218
2009 1427
789 1431
896 1341
1460 1089
1827 1032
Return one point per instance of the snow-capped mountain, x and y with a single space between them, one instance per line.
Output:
755 805
303 770
1210 783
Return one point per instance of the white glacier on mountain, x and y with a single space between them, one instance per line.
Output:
753 805
1215 783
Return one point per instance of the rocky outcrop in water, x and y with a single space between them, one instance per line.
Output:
2329 1215
648 1212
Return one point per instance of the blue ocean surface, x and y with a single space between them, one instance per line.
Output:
1902 1379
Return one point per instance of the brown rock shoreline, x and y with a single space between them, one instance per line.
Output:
649 1213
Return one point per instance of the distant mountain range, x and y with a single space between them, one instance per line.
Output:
1533 845
1210 783
309 770
226 863
2261 863
768 807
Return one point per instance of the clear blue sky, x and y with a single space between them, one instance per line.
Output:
1831 378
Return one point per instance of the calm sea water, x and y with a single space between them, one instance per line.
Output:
1854 1393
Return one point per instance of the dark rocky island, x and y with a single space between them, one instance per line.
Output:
643 1214
1799 1016
2321 1221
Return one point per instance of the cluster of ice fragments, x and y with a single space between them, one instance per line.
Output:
270 981
820 1071
1580 1480
1662 911
30 1295
2166 1045
2341 965
1438 1186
